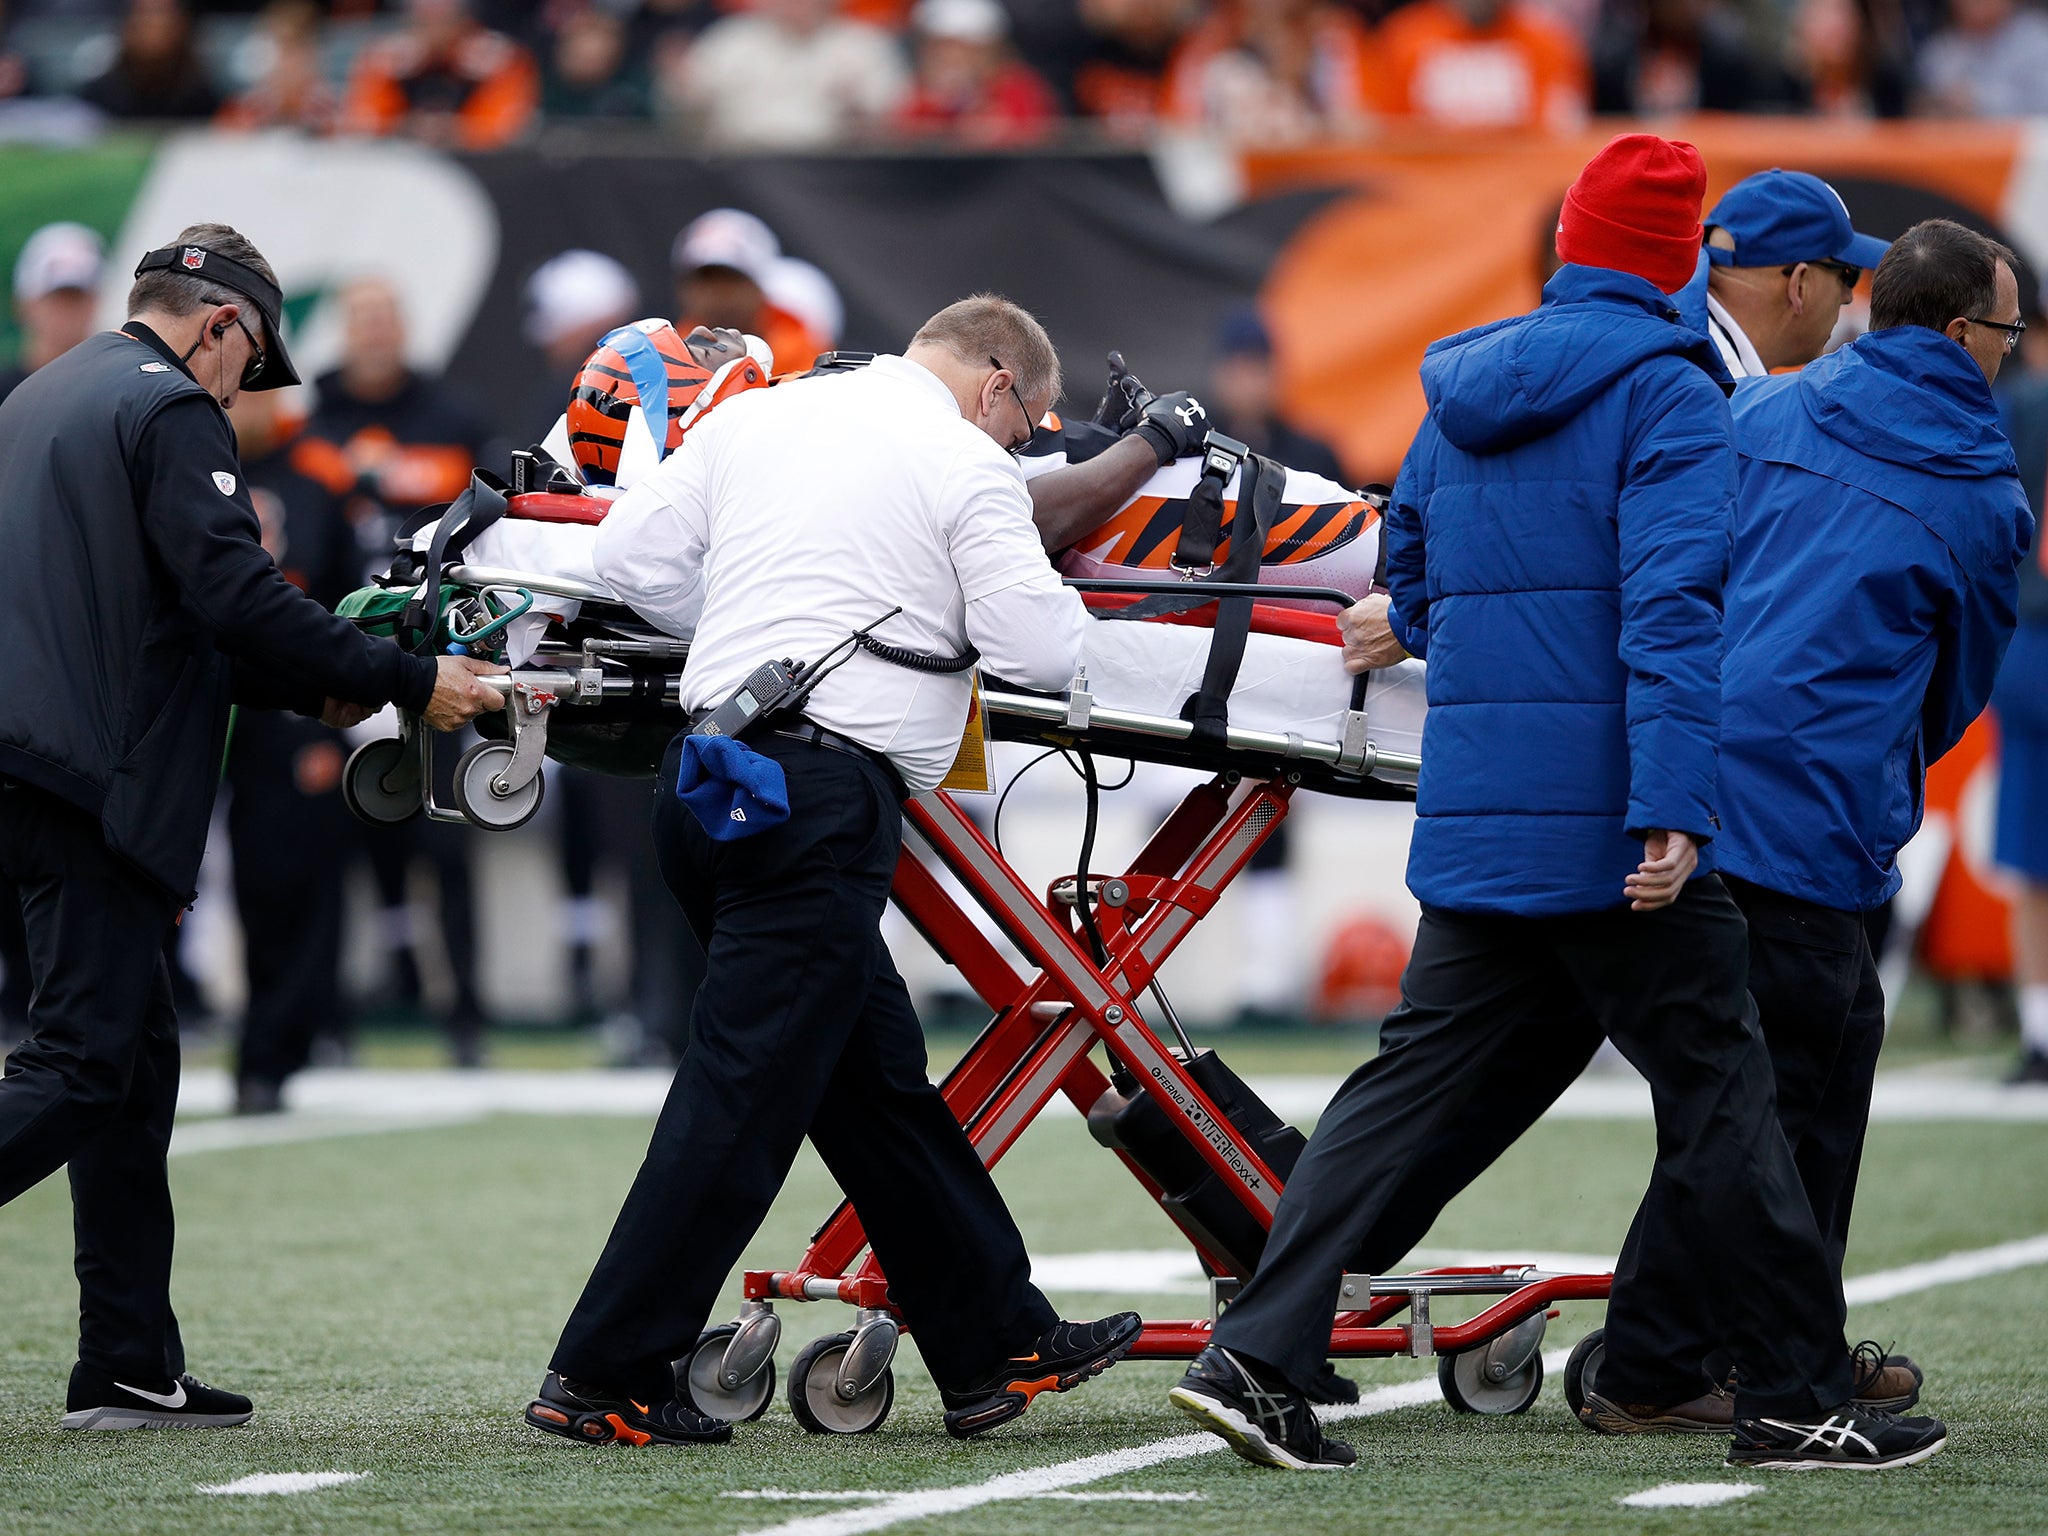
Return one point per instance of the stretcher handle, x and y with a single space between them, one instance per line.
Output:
1204 591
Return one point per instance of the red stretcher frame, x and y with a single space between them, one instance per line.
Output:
1045 1026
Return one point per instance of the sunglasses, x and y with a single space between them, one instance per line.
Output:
254 367
1847 275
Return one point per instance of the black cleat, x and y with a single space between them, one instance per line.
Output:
1858 1439
97 1401
592 1416
1265 1420
1067 1354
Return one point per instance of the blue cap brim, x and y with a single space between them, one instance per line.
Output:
1864 251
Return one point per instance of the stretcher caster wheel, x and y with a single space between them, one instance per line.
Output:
477 793
703 1375
817 1399
1584 1365
380 783
1503 1375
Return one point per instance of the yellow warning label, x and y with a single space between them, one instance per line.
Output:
972 772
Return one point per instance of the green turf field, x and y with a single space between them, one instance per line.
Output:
390 1299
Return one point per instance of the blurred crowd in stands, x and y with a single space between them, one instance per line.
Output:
790 74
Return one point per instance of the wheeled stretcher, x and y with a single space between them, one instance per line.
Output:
1083 1015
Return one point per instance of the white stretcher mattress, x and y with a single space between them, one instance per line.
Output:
1284 685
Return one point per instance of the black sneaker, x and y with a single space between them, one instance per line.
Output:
1859 1439
1886 1382
2032 1067
1331 1388
1066 1355
97 1401
1265 1420
592 1416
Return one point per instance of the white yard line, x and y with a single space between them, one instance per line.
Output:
262 1483
1899 1096
190 1136
1689 1495
867 1495
1970 1265
899 1508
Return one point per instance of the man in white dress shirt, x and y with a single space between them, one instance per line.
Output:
1782 262
788 519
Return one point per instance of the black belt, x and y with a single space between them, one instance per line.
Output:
802 728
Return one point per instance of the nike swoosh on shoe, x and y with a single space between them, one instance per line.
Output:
172 1399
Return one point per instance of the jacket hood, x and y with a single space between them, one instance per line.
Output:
1493 388
1908 396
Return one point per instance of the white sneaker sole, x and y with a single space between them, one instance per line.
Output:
1245 1437
142 1418
1802 1464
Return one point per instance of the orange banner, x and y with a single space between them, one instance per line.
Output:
1443 233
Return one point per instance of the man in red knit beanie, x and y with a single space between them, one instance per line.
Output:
1557 544
1636 208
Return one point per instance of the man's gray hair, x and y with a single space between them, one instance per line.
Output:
987 325
172 292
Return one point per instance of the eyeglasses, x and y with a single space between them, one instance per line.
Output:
1030 426
2013 332
1845 274
254 366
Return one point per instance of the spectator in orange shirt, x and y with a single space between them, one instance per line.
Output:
293 92
724 262
1481 64
1273 71
967 84
446 79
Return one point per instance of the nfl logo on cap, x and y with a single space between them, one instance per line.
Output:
195 258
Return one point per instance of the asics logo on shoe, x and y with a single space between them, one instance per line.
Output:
175 1398
1834 1435
1269 1408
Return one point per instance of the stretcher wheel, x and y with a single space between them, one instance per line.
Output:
814 1391
1582 1367
380 783
1503 1375
480 801
698 1373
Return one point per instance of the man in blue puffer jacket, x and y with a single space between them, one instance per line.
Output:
1558 539
1879 531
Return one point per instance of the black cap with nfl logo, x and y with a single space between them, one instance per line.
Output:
276 370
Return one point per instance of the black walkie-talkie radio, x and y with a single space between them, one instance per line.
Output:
766 689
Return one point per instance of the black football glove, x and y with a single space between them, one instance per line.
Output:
1174 425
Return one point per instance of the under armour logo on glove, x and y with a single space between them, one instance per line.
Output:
1190 413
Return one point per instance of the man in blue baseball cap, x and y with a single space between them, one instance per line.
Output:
1782 261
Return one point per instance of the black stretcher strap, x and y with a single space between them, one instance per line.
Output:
1259 488
1201 526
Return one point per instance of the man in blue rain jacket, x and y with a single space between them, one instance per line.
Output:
1558 540
1879 530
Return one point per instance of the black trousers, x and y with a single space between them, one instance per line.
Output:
96 1083
1814 982
291 835
1668 988
801 1027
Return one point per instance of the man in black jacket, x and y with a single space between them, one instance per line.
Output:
137 605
